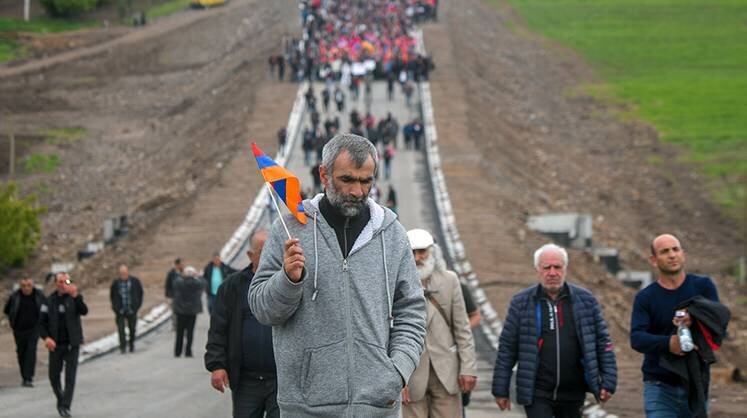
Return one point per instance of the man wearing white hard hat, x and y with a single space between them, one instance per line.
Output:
447 366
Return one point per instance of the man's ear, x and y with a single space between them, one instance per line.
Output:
324 175
652 261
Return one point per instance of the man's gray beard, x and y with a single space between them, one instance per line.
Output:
348 206
429 264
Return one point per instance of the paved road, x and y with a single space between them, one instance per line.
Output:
148 383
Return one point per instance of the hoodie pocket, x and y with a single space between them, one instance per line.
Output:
324 373
375 380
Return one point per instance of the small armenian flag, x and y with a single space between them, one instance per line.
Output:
286 184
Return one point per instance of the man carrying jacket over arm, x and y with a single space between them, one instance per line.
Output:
653 327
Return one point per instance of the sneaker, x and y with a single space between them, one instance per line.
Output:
64 412
27 384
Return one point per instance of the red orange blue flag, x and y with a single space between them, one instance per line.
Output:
286 184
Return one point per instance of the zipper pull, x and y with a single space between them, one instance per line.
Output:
344 264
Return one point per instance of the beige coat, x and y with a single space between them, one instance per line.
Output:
451 353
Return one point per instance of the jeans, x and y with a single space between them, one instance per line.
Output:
255 395
66 355
662 400
210 301
131 326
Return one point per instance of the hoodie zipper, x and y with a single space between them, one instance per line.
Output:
348 325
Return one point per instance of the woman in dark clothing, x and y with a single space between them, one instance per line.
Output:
187 304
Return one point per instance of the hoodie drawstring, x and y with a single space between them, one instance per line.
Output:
316 261
386 271
386 274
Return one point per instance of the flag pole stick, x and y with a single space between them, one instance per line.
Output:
277 208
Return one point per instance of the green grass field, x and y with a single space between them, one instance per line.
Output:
167 8
681 63
43 25
11 49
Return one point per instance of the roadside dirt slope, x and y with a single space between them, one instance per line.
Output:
518 139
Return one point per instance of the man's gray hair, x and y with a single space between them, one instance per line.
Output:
358 147
550 247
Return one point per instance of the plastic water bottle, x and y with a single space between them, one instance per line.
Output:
683 332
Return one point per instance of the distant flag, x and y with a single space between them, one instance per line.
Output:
285 184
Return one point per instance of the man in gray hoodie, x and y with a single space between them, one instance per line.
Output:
342 295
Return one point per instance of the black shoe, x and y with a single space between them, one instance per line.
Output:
64 412
27 384
132 348
188 355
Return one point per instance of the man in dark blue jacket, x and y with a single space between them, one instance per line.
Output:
239 350
556 333
653 325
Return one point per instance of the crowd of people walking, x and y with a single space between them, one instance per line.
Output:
353 315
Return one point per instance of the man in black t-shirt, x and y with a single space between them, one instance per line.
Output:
22 310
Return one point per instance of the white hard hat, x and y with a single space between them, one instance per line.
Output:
420 239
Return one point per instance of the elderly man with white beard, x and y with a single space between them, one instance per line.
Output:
447 366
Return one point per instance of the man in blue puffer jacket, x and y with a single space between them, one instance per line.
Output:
556 333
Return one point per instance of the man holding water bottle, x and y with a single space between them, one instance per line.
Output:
658 327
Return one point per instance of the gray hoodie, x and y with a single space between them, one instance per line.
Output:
350 333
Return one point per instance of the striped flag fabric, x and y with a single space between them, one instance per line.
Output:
286 184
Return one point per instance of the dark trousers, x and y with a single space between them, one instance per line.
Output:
66 356
184 323
210 301
546 408
255 395
26 351
131 325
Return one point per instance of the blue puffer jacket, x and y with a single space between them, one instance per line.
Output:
519 342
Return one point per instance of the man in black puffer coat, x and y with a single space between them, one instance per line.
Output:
556 333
